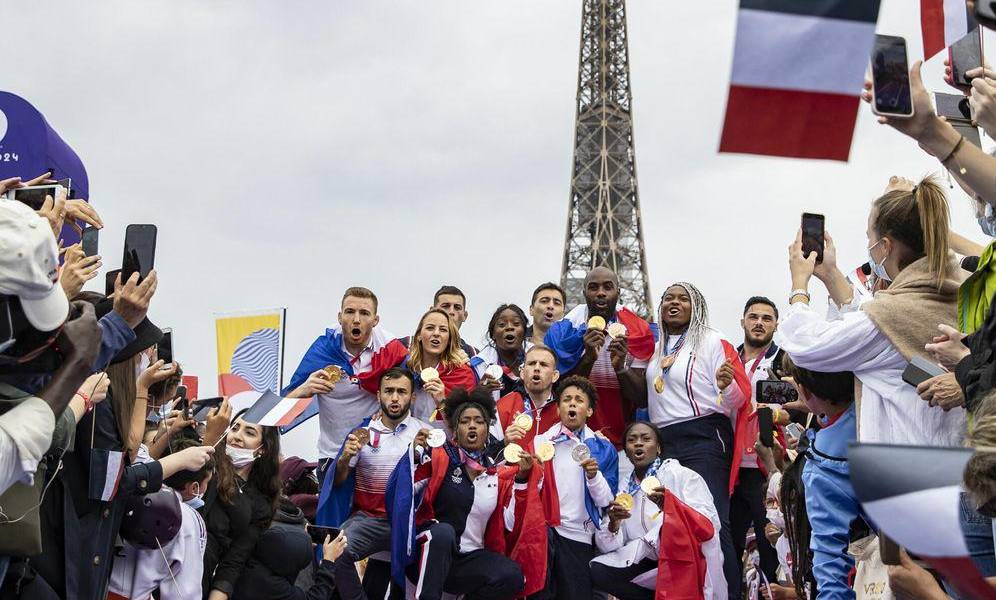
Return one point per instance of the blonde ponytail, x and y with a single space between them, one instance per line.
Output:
934 218
918 219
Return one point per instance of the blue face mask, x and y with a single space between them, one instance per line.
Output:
878 268
197 501
987 222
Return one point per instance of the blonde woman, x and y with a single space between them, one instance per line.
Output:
436 345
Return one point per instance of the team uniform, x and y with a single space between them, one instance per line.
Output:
574 505
175 570
544 415
629 568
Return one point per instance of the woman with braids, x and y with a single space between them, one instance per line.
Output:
876 337
477 535
699 397
507 348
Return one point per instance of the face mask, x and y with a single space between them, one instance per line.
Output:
197 501
240 457
775 516
878 268
987 222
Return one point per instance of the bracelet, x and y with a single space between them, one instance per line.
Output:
87 405
798 292
957 145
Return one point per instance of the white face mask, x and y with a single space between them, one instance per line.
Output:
878 268
240 457
775 516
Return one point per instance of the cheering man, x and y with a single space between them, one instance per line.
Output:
612 358
539 373
546 308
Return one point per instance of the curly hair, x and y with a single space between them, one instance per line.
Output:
582 384
460 400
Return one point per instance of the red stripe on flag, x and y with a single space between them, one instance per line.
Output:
961 572
293 413
789 123
932 26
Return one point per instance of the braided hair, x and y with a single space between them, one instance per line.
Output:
698 324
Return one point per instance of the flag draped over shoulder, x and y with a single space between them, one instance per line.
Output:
741 439
566 337
681 565
798 70
335 502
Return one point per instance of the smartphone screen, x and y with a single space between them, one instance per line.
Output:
766 426
34 196
139 251
891 77
776 392
812 235
965 55
165 348
109 281
201 407
953 107
89 241
318 533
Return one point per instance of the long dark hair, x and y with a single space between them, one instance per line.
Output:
792 496
265 473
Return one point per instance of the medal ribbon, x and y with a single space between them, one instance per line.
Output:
672 353
634 484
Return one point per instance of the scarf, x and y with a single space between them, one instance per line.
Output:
908 312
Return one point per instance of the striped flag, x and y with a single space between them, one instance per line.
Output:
106 467
942 23
798 70
919 508
269 409
250 351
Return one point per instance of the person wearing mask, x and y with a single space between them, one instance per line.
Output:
284 550
506 348
353 499
435 349
698 396
478 524
351 347
637 538
547 306
759 356
175 568
240 505
539 374
579 483
613 361
876 338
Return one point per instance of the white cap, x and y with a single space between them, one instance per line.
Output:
29 265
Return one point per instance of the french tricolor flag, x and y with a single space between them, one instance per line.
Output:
919 507
798 70
943 22
270 409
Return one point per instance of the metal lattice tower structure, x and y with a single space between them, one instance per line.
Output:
604 226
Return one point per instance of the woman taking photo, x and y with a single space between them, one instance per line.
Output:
468 512
239 502
626 556
696 386
876 337
438 363
507 348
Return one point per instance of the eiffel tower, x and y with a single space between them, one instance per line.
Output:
604 226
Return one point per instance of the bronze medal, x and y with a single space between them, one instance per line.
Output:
362 436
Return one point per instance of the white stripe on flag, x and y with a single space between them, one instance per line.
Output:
955 21
924 522
114 461
800 52
280 409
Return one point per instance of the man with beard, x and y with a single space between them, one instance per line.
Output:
609 346
546 308
363 467
759 356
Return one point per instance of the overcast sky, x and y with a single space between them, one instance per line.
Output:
288 150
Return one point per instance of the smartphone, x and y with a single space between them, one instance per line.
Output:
766 423
775 392
795 431
164 349
953 107
891 78
812 235
109 281
318 533
965 55
89 241
181 399
919 370
888 550
201 407
33 196
139 251
969 132
985 13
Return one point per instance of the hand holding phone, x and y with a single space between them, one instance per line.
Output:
318 533
139 251
920 369
963 56
892 95
813 235
88 239
766 424
775 392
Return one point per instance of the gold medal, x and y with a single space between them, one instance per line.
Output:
333 373
659 384
649 484
513 452
596 322
625 500
429 373
545 451
523 421
362 436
